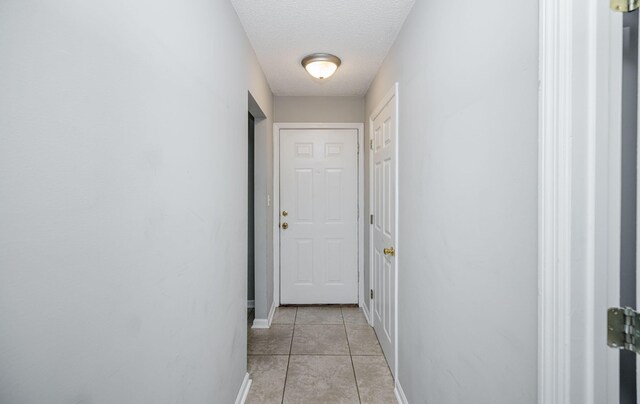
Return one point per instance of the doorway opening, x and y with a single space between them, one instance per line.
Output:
251 261
318 194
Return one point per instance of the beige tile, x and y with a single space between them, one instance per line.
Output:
319 315
363 340
270 341
268 373
320 379
284 315
353 315
374 379
320 340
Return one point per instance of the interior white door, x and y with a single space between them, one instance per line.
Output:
319 216
383 278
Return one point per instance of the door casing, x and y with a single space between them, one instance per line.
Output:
276 202
579 67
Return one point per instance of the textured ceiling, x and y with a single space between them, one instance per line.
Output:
360 32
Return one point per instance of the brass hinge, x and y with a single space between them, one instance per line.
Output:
371 219
371 144
623 329
371 293
625 6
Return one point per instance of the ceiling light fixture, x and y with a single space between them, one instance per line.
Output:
321 65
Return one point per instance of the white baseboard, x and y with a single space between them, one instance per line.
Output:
265 322
260 323
402 399
244 390
251 304
365 310
272 312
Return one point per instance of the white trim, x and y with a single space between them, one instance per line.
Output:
554 210
260 323
244 389
251 304
402 399
265 322
371 202
392 94
367 316
370 246
272 312
396 90
579 116
362 219
605 213
276 213
276 199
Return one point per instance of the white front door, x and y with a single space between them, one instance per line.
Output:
383 278
319 216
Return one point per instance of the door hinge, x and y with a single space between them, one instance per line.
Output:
371 219
371 144
371 294
625 6
623 329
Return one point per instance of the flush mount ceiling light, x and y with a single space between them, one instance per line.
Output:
321 65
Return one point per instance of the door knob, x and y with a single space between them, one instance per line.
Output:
389 251
285 213
285 226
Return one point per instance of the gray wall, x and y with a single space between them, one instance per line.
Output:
318 109
467 247
123 203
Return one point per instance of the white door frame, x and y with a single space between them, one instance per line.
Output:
554 201
579 55
393 92
359 127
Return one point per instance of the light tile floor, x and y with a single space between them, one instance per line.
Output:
324 354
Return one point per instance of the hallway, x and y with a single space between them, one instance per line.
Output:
139 219
323 354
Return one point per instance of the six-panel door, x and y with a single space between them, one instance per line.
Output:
383 277
319 192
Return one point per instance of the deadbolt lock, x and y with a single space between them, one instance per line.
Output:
285 226
285 213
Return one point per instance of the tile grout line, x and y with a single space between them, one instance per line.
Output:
355 378
284 387
301 356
